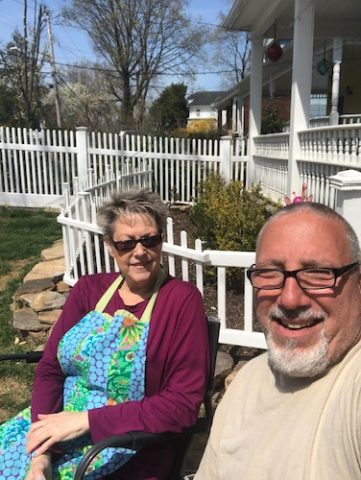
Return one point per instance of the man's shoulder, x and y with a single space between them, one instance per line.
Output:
255 368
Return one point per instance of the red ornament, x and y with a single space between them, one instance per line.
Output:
274 52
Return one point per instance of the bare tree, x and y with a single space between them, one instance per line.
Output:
140 40
232 51
85 99
21 63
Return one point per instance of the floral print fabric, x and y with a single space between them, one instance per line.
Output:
103 359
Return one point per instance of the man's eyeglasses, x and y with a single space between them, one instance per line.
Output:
307 278
147 242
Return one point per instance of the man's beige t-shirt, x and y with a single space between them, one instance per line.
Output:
305 429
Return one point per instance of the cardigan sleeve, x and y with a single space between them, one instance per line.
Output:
176 373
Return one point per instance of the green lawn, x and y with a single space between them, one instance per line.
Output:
24 233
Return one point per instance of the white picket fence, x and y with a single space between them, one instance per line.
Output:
85 253
34 165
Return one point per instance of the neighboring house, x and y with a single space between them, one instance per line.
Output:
200 108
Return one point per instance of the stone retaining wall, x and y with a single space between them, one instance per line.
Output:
38 302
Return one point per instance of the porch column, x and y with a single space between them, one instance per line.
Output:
234 114
237 126
255 104
301 86
337 59
348 197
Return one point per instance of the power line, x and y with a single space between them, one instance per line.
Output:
108 70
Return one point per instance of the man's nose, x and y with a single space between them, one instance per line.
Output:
292 296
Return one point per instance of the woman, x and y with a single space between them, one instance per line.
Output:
129 352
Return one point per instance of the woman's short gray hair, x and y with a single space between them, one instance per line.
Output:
130 202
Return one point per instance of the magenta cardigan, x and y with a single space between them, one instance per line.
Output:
176 369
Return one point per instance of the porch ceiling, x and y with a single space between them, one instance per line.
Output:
333 18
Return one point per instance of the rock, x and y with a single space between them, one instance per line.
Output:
26 300
39 338
224 365
32 286
48 300
26 319
49 317
62 287
54 252
52 269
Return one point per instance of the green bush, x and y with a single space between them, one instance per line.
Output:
229 217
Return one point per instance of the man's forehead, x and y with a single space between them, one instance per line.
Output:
305 231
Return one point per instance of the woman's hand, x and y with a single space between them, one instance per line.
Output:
40 468
54 428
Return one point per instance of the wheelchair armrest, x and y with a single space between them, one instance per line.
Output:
29 357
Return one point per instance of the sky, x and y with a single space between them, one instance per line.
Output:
71 45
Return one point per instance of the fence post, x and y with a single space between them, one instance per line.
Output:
226 158
348 197
82 145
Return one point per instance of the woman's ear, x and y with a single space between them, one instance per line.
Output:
110 247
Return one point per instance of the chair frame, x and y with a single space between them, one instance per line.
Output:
138 440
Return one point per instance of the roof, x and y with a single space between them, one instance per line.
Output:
204 97
333 18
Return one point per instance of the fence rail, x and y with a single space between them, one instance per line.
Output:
34 165
85 253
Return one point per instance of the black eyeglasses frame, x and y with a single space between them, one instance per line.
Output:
148 241
337 272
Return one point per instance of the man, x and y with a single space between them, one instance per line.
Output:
295 412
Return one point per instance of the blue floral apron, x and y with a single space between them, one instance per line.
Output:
103 360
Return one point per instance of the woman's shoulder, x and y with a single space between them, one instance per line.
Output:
96 282
180 286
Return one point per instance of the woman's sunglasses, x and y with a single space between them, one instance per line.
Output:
147 242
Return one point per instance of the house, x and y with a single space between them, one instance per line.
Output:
201 109
276 87
319 37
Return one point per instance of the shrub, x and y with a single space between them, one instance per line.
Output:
229 217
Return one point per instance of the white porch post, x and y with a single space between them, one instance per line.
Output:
226 158
82 145
301 86
348 197
234 115
337 59
237 105
255 104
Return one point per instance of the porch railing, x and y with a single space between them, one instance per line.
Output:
325 151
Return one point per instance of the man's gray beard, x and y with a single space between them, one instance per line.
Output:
288 361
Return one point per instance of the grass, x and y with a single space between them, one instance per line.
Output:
24 233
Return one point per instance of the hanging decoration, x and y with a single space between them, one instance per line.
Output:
323 66
274 51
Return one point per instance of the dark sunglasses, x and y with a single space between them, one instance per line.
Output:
147 242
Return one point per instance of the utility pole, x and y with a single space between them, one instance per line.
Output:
53 70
